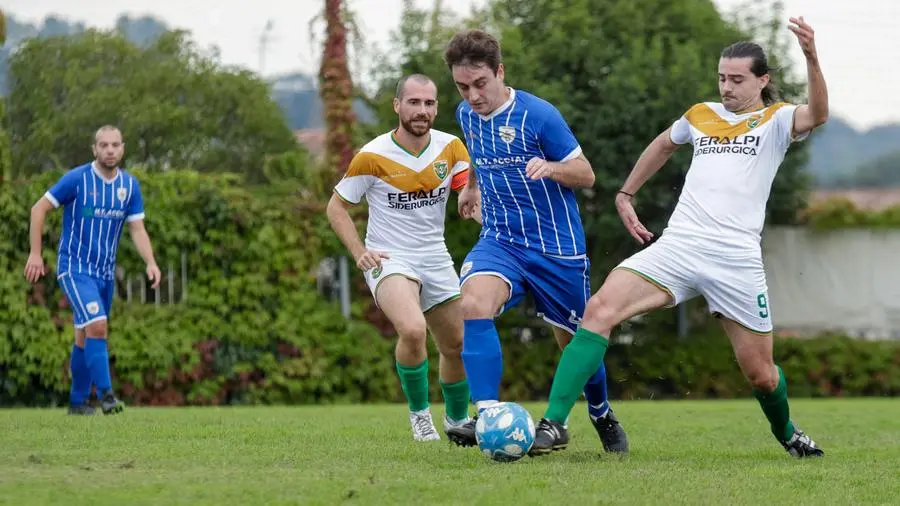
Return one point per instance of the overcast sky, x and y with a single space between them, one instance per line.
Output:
859 54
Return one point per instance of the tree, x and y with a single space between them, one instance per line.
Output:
337 88
177 107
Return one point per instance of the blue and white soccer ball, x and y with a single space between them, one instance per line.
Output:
505 432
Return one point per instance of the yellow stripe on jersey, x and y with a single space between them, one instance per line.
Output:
711 124
367 163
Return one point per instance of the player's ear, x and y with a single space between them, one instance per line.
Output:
501 71
396 105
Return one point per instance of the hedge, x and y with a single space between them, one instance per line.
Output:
254 330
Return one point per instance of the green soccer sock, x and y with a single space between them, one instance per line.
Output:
414 380
775 406
579 362
456 399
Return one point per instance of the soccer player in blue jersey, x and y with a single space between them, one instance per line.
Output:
98 199
528 165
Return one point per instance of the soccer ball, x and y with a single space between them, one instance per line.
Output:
505 432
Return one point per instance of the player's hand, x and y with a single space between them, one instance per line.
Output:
370 259
154 275
538 168
630 219
468 203
805 36
34 268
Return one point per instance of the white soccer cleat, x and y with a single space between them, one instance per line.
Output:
422 426
450 424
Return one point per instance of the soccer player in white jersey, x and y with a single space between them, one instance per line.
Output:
98 199
406 176
711 246
529 165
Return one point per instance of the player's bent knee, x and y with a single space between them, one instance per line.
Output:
412 330
96 329
477 307
763 378
450 350
602 311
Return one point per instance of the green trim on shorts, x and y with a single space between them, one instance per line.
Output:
653 282
441 303
717 314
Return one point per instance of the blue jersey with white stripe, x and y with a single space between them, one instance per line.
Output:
542 215
95 210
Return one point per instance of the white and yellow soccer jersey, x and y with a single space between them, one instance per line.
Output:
736 157
407 193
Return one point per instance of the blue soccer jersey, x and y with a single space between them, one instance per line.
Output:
95 210
541 215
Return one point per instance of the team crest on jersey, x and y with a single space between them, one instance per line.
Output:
376 272
92 307
441 168
507 133
466 267
122 194
753 121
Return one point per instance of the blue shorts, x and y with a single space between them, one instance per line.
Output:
90 298
560 286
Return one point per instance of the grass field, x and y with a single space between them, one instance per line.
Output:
713 452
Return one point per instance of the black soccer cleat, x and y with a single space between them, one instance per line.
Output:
463 434
82 410
611 433
549 436
110 405
800 445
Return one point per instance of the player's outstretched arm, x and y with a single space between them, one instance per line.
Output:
141 240
655 155
34 268
339 217
815 113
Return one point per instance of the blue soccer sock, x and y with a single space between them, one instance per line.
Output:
595 393
97 357
81 377
482 359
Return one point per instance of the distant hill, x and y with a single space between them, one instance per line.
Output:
838 152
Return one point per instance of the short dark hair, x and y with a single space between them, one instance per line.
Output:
474 47
419 78
759 65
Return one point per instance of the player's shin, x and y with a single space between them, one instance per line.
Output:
483 361
456 400
81 377
414 381
96 357
595 393
579 362
775 406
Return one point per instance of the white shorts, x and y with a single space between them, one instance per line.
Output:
733 283
434 272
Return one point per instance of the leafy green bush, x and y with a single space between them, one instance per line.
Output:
841 213
254 329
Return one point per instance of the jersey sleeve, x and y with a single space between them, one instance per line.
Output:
557 140
681 131
462 164
784 124
353 186
65 190
136 204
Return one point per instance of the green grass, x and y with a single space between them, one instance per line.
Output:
714 452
